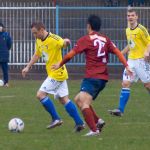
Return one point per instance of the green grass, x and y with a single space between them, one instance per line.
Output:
131 132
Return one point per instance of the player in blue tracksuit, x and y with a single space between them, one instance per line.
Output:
5 45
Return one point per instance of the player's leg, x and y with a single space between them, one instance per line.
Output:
84 100
143 72
70 107
96 117
124 97
99 86
124 93
47 87
72 110
145 78
5 73
140 70
48 105
99 122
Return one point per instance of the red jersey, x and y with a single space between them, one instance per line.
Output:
96 48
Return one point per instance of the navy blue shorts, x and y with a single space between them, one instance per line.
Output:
93 86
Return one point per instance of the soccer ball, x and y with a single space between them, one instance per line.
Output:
1 82
16 125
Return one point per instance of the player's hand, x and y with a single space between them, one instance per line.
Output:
55 66
147 56
67 42
25 71
129 71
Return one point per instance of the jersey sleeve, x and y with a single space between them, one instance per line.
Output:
111 46
58 39
60 42
80 46
145 35
37 50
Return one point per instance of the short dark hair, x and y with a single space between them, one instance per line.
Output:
130 10
95 22
38 25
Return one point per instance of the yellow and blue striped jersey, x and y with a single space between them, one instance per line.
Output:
50 50
138 39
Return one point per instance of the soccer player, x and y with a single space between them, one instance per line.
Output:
138 50
49 46
96 47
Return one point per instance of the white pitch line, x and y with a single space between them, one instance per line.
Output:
129 138
138 123
7 96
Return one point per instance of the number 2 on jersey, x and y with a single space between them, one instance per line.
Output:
100 46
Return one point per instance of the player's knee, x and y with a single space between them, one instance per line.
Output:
78 102
76 99
126 84
84 106
64 100
40 95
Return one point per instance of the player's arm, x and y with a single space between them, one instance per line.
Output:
146 38
122 60
66 58
9 41
33 60
125 50
79 47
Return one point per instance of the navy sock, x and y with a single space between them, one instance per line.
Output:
49 106
124 97
73 112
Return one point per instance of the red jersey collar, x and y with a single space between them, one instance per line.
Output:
94 32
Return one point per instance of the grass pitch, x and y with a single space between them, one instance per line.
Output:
131 132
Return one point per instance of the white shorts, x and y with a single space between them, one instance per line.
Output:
141 70
57 88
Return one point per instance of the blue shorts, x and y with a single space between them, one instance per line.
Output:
93 86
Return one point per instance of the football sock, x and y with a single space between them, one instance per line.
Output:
49 106
88 116
73 112
94 114
124 97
